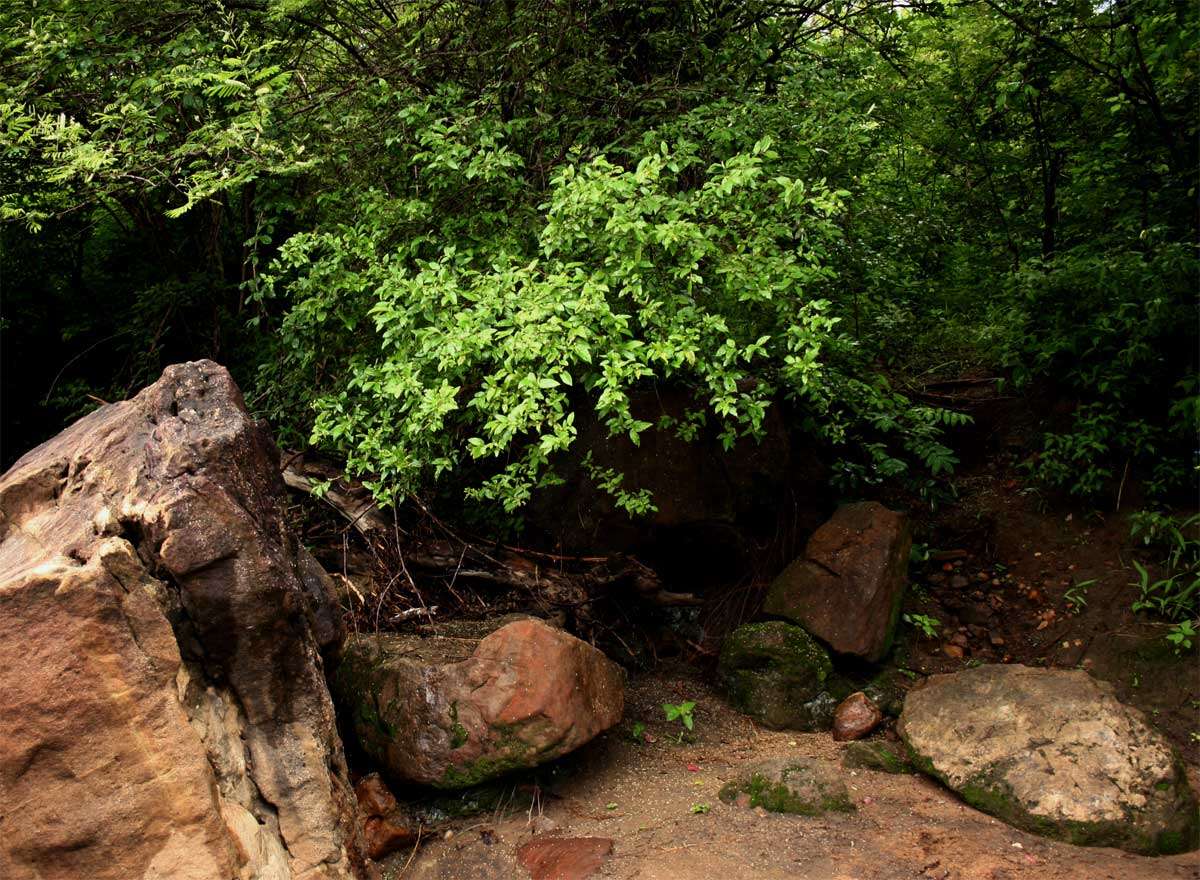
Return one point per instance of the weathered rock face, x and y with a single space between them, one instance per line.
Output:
477 700
847 588
1055 753
163 709
777 674
803 786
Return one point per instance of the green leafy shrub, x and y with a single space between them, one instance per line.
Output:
1177 595
472 356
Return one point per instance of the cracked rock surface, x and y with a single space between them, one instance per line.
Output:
1054 752
163 707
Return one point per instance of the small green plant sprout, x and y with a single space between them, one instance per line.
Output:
638 732
1076 597
930 626
919 553
700 809
681 712
1180 635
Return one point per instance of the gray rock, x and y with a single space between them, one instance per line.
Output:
1055 753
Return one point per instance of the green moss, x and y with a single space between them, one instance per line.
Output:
778 674
357 688
789 789
876 755
458 733
991 793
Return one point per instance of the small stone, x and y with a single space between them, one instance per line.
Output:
564 858
879 755
959 639
959 582
996 639
384 835
374 798
543 825
855 717
953 651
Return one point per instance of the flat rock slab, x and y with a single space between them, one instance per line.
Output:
804 786
777 674
1054 752
564 858
847 587
456 709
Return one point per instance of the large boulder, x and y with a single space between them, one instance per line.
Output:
777 674
1055 753
476 700
163 707
847 587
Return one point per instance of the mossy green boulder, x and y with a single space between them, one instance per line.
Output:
776 673
804 786
1054 752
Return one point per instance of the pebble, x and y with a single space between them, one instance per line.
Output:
855 717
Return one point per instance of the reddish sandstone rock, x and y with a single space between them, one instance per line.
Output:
855 717
374 798
163 709
386 827
847 588
564 858
477 700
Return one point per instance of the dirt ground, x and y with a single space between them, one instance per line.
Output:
1012 576
641 795
1036 581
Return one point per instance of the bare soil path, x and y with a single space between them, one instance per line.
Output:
641 796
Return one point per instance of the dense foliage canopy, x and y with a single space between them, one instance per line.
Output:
430 236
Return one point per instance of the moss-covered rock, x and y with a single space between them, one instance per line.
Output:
880 755
805 787
776 673
460 708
